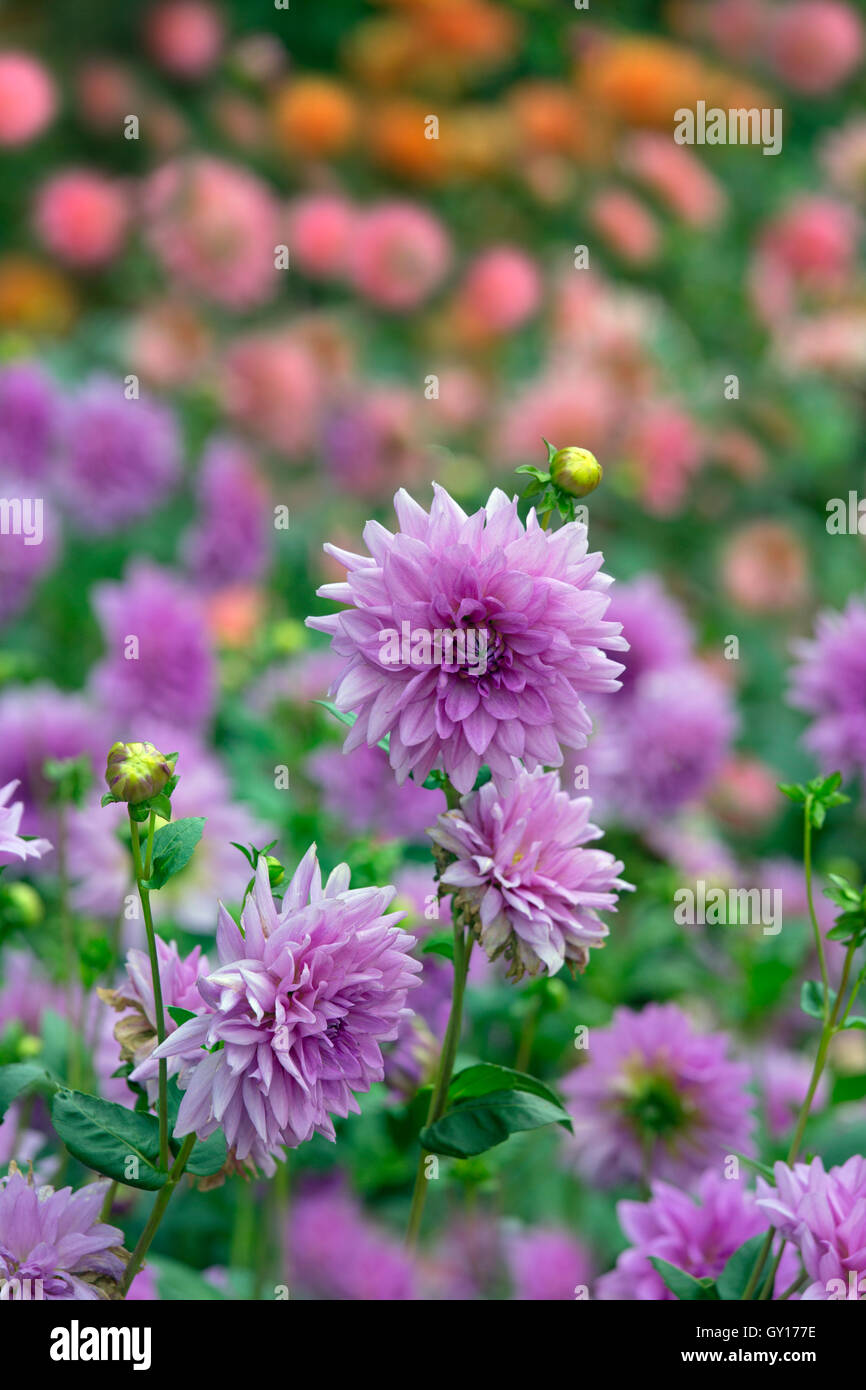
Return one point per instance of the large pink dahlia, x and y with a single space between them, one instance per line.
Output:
526 605
522 858
306 991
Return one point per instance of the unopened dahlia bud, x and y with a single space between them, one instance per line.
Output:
576 471
276 872
136 771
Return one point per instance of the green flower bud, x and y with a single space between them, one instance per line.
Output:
29 1046
576 471
136 771
20 905
276 872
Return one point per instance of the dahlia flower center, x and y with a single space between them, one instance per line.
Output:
655 1105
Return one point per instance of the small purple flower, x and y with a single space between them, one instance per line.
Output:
523 862
30 411
698 1235
11 843
359 790
656 1098
26 992
57 1239
122 457
657 631
337 1253
135 1031
829 683
302 1000
228 543
547 1264
169 674
526 606
824 1215
39 723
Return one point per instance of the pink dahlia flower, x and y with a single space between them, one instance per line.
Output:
525 605
57 1239
523 861
824 1215
82 217
815 45
698 1235
399 253
28 98
11 843
215 228
546 1264
184 36
306 991
336 1252
656 1098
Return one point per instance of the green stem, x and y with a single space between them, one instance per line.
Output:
156 1215
439 1098
141 876
807 865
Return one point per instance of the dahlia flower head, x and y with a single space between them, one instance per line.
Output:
55 1237
656 1098
824 1215
305 993
698 1234
523 862
546 1264
539 597
828 681
11 843
336 1252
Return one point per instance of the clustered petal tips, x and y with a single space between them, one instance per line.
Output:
306 992
522 860
10 821
823 1214
522 636
53 1244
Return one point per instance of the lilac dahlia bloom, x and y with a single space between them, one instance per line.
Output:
657 631
522 861
546 1264
122 457
23 565
30 410
303 998
172 677
829 683
824 1215
539 597
37 723
26 992
698 1234
56 1237
11 842
783 1079
335 1252
359 790
229 542
656 1098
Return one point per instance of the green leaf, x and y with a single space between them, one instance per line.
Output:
793 790
484 1077
107 1137
176 1282
682 1284
856 1021
208 1155
173 847
475 1125
732 1281
440 945
180 1015
756 1167
812 998
18 1077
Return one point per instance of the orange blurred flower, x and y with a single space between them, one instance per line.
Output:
234 615
399 143
643 81
315 117
34 297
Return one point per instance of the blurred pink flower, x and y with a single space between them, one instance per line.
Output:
814 45
736 27
814 239
668 450
168 343
320 228
843 156
550 407
371 445
626 225
546 1264
215 228
271 385
400 253
500 291
676 176
765 568
184 37
28 98
82 217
